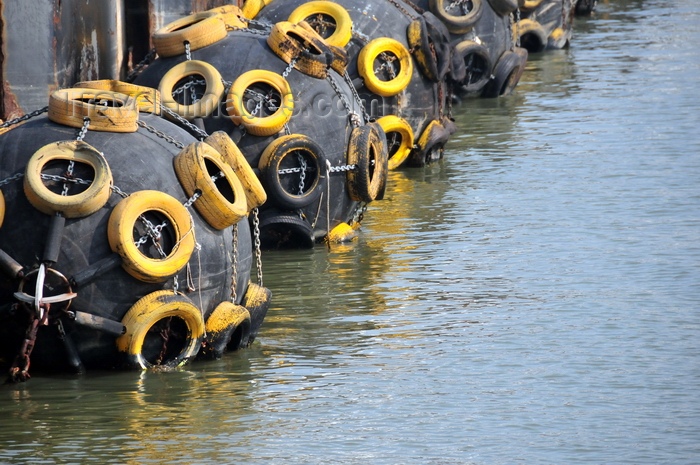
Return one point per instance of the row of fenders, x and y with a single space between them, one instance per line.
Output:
133 213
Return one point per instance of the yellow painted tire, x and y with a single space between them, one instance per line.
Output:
318 9
339 57
79 205
528 5
114 112
532 35
419 41
228 328
434 136
276 155
199 29
145 314
367 181
120 234
257 300
260 125
395 126
147 98
254 192
212 95
2 208
456 23
291 41
251 8
232 16
222 203
365 66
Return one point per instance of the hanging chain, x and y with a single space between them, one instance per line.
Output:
302 175
84 129
353 90
355 119
359 213
256 243
234 264
184 122
188 52
142 64
289 67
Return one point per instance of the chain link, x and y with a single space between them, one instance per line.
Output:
359 212
234 264
354 117
289 67
118 191
184 122
256 243
302 176
161 134
188 85
12 122
142 64
188 52
403 10
83 130
353 90
14 177
341 168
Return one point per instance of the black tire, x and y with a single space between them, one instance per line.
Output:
368 152
280 187
504 7
506 75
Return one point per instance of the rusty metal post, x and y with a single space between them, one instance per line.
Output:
50 44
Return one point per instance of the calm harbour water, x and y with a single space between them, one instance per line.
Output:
534 298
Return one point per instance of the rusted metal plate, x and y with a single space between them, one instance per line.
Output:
49 44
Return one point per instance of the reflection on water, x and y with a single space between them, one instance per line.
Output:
533 298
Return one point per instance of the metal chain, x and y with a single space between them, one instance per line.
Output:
517 26
84 129
188 85
353 90
142 64
234 264
341 168
192 199
359 212
354 117
256 243
463 3
118 191
184 122
387 65
69 175
14 177
161 134
302 176
403 10
59 178
12 122
188 52
289 67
